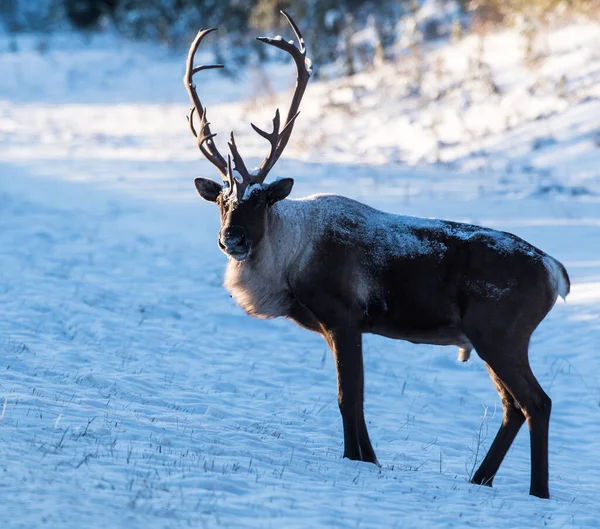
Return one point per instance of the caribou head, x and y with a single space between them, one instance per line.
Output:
243 197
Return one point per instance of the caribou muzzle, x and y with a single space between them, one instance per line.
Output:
233 242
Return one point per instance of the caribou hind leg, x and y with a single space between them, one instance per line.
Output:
513 377
512 420
537 406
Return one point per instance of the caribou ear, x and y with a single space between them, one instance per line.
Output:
279 189
207 189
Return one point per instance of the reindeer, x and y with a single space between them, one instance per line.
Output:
342 269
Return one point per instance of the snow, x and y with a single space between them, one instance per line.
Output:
251 189
135 393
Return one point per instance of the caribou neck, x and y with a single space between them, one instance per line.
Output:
262 283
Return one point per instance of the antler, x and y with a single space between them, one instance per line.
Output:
277 139
204 138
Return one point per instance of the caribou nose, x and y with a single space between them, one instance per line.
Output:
233 238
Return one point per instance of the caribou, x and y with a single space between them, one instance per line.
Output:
342 269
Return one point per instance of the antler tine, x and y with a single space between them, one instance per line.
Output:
296 32
304 70
205 138
190 119
238 162
271 137
267 135
230 179
237 188
290 123
206 66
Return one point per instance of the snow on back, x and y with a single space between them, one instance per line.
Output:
387 236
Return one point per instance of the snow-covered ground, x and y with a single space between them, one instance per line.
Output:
134 393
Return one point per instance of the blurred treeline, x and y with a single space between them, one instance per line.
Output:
336 29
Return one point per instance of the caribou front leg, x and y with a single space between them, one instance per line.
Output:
346 345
